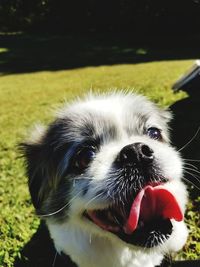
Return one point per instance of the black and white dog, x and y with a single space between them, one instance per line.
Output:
106 180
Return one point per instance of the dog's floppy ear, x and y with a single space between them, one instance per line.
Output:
36 156
43 153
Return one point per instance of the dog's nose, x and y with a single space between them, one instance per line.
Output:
135 153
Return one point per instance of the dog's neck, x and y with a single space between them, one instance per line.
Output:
88 250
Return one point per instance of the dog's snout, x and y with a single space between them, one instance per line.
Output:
135 153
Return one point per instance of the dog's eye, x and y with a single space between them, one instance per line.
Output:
154 133
83 157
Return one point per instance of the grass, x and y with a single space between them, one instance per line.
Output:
27 98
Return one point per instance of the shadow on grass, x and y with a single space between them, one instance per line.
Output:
21 53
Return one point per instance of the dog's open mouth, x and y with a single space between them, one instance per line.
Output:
144 222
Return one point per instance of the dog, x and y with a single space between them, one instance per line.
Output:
106 180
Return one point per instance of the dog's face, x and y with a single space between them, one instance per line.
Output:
105 165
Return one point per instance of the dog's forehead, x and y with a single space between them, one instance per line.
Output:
112 116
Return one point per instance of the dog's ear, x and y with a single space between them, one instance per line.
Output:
43 153
37 157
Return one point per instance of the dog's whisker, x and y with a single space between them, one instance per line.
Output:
190 141
197 177
117 221
190 182
90 239
191 169
195 160
54 260
168 255
61 209
189 164
93 199
194 175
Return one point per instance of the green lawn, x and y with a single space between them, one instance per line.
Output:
27 98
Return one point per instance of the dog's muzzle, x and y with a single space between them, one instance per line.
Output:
141 214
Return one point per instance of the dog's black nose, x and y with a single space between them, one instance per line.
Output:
135 153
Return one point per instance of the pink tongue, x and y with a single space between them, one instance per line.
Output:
152 202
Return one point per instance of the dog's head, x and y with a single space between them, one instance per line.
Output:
106 166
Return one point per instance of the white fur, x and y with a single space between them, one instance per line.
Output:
87 246
92 250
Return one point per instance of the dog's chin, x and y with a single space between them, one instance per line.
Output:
147 234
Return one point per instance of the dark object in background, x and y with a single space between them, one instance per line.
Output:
186 126
191 79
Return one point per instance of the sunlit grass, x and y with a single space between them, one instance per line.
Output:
3 50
